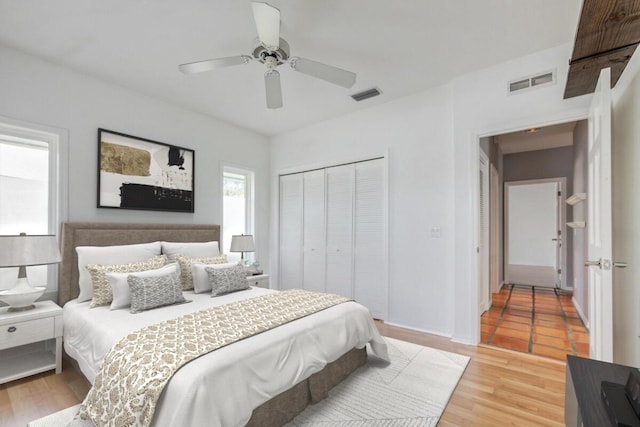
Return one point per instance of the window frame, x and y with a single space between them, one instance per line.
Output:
249 175
57 140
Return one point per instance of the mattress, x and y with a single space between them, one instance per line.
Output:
223 387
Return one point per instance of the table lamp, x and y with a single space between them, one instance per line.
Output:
22 251
242 243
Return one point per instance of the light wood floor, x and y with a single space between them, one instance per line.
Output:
498 388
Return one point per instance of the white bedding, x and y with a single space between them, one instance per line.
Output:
223 387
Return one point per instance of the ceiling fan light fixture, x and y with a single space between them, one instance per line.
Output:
272 51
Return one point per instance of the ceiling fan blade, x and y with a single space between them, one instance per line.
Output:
267 20
326 72
274 91
212 64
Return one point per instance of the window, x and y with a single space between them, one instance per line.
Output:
29 192
237 207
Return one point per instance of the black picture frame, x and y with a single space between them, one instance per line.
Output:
142 174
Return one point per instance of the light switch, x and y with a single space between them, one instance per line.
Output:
436 231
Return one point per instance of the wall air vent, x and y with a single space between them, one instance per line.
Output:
366 94
523 84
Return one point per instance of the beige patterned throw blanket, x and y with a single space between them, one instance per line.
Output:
135 371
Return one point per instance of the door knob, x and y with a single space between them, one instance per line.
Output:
597 263
620 264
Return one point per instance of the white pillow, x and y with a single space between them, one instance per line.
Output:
106 255
120 286
201 281
190 249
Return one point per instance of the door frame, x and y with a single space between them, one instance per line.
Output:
473 146
484 248
561 222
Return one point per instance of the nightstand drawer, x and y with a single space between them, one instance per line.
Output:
259 280
26 332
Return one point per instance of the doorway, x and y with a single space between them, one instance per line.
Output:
534 215
532 305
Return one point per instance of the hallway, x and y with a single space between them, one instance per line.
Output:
534 320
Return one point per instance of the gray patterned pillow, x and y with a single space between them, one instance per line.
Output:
152 292
185 267
102 293
225 280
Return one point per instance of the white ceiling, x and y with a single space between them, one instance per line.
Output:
401 46
560 135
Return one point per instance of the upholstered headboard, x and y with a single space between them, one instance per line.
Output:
106 234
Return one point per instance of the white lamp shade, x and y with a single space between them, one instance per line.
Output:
25 250
242 243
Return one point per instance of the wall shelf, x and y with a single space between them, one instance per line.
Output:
577 224
576 198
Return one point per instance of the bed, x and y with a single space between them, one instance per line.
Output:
263 380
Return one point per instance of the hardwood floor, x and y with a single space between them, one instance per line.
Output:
498 388
535 320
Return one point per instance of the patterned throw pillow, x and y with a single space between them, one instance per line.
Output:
102 294
120 285
226 280
153 292
185 267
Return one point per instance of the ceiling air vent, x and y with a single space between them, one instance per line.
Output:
366 94
526 83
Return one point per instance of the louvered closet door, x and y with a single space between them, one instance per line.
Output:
314 236
340 183
370 273
290 231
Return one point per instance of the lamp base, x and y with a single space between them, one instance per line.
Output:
21 298
25 308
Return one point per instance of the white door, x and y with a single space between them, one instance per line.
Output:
532 233
290 271
314 231
340 183
483 238
494 232
370 257
599 221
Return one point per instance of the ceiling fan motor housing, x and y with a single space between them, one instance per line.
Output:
261 53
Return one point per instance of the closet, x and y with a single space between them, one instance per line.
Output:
333 232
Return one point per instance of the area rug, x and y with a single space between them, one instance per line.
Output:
412 390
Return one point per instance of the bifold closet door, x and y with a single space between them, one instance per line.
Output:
291 264
340 184
370 273
314 225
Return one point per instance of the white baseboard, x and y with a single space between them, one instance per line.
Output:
426 331
580 312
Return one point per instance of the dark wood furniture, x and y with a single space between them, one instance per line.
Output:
607 36
583 402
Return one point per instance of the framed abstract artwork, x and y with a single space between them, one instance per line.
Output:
138 173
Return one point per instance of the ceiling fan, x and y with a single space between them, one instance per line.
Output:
273 51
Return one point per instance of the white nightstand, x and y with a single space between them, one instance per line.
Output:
259 280
30 341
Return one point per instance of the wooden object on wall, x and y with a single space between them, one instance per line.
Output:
607 36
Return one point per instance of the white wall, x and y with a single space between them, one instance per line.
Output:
625 152
482 107
432 139
416 131
40 92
